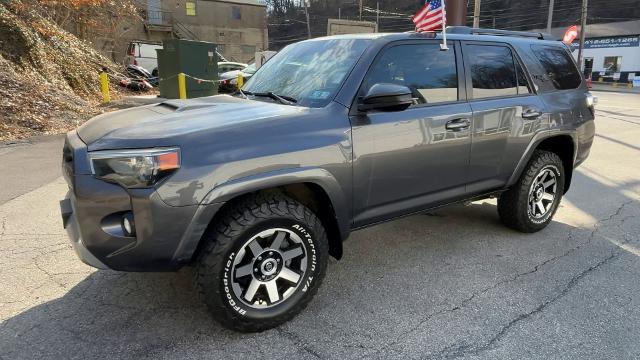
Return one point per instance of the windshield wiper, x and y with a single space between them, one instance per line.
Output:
283 99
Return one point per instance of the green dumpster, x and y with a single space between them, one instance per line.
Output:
196 59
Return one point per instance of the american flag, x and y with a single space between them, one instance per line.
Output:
430 17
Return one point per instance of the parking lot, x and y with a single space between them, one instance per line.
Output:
453 283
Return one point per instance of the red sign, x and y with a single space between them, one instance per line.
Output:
570 35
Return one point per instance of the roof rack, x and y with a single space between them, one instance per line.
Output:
465 30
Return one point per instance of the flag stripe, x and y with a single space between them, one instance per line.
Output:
429 21
430 18
432 27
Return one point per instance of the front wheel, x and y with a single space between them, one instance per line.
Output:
263 263
531 203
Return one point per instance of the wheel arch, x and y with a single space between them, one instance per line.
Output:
314 187
563 144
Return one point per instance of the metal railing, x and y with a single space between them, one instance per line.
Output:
183 32
158 17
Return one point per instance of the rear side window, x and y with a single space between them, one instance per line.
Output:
430 73
558 66
494 72
523 84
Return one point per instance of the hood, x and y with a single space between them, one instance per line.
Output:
165 123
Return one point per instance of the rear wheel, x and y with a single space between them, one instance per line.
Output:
531 203
263 263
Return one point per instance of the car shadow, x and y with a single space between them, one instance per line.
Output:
436 257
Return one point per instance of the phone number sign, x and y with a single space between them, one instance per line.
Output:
610 42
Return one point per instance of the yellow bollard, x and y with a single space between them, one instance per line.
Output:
104 87
182 86
240 80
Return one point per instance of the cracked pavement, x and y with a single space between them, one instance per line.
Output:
451 284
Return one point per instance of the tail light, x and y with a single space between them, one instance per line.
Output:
591 103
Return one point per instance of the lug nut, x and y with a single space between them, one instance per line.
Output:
255 270
259 258
270 252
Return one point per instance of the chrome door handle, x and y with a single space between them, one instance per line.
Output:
531 114
457 124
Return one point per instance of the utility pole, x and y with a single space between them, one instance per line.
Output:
456 12
476 13
583 30
339 17
360 10
377 16
550 17
306 13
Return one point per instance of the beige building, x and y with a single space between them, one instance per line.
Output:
239 27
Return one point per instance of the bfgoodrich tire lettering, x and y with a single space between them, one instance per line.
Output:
263 263
531 203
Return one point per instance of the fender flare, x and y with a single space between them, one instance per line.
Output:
321 177
215 199
533 145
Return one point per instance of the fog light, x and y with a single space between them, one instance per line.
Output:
128 226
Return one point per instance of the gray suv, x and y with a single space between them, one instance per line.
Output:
257 189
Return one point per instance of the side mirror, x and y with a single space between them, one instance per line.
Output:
386 97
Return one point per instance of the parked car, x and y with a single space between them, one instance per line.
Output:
229 79
226 66
332 135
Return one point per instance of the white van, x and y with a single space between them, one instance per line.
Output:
142 54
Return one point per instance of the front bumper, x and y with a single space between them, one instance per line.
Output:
71 225
165 239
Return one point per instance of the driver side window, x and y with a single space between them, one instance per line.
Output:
430 73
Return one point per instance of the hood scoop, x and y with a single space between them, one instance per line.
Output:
178 105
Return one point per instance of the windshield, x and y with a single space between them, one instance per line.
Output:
311 72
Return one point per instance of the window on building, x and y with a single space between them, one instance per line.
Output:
430 73
248 49
559 66
190 7
493 72
236 14
612 64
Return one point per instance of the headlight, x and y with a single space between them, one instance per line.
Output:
135 168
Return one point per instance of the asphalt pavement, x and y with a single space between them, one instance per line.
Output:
450 284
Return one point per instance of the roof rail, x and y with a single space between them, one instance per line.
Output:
465 30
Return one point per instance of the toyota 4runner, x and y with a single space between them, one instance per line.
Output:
332 135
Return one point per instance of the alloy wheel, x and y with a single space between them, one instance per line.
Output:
543 192
269 268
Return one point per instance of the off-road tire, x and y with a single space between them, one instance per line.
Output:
242 222
513 204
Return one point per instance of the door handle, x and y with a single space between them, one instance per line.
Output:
531 114
457 124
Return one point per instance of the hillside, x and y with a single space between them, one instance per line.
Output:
48 78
